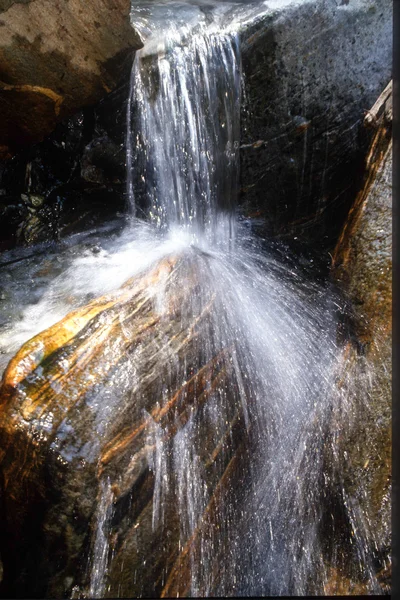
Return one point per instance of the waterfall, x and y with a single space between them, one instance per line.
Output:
182 150
182 156
243 460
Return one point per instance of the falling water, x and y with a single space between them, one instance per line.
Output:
185 103
185 96
268 333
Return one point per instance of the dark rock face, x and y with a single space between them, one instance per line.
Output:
55 58
79 171
312 69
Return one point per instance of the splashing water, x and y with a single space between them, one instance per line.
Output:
275 330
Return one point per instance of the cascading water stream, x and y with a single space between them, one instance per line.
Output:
184 142
274 329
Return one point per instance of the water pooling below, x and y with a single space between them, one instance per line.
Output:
207 408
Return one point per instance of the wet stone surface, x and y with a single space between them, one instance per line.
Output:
363 269
311 71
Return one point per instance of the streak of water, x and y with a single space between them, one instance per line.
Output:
185 102
100 550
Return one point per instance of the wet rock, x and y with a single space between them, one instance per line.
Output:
90 409
223 510
11 215
74 180
302 142
362 261
362 267
36 200
103 162
311 71
56 58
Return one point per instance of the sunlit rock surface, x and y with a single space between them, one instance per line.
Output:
363 268
91 416
55 58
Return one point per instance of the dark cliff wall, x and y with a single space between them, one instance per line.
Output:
312 70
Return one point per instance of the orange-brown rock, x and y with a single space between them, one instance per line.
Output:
207 541
90 411
362 267
55 58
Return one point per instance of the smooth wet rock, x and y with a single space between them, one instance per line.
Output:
90 411
55 58
311 70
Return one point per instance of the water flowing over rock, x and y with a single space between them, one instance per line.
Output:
176 419
55 58
311 71
58 395
191 408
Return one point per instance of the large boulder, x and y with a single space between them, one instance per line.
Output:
118 428
312 68
55 58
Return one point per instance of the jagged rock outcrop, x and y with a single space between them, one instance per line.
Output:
55 58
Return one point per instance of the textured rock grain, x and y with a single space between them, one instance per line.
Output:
363 268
